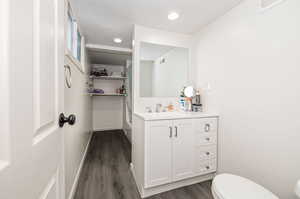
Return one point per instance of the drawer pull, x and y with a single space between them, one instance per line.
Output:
207 167
207 139
207 127
207 153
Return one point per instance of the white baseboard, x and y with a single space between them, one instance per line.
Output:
106 129
75 183
135 179
127 135
125 131
144 193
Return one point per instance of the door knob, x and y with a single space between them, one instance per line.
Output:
63 119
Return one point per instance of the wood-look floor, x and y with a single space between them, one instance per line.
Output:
106 173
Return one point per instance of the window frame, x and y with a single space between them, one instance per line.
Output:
74 48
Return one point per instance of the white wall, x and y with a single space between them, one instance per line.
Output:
76 137
251 61
107 113
79 103
4 82
143 34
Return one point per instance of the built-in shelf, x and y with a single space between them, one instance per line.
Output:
107 94
108 77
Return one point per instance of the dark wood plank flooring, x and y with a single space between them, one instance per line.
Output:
106 173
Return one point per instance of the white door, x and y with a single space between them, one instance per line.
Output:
32 57
183 149
158 153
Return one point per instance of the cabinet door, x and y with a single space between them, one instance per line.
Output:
183 149
158 153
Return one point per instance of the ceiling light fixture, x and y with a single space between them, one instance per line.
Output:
118 40
173 16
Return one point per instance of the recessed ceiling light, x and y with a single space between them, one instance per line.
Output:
117 40
173 16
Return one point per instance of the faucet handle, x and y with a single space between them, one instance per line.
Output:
148 109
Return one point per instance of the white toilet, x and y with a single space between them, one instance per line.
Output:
227 186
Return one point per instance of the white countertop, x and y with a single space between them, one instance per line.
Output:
174 115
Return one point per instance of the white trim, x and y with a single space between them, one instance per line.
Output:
105 48
75 183
144 193
107 129
126 132
140 189
70 58
83 55
4 83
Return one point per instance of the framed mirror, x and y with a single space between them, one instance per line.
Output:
164 70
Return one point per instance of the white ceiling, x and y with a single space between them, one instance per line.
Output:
102 20
110 58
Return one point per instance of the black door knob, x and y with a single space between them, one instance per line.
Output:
70 120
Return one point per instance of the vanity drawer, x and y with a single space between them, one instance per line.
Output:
206 125
206 139
206 152
206 166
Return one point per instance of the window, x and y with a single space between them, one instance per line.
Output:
70 32
74 37
78 46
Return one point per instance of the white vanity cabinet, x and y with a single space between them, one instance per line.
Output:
169 145
175 152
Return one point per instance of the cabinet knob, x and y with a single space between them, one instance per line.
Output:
207 153
207 167
207 139
207 127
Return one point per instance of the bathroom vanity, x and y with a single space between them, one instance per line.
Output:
173 149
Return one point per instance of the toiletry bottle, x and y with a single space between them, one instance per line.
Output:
198 97
170 107
182 101
188 106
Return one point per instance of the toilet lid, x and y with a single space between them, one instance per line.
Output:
227 186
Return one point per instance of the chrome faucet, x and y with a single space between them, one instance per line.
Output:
158 108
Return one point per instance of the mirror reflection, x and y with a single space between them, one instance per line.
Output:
163 70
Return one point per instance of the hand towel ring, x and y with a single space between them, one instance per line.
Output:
68 76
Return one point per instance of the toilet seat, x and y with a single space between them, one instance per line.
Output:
227 186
